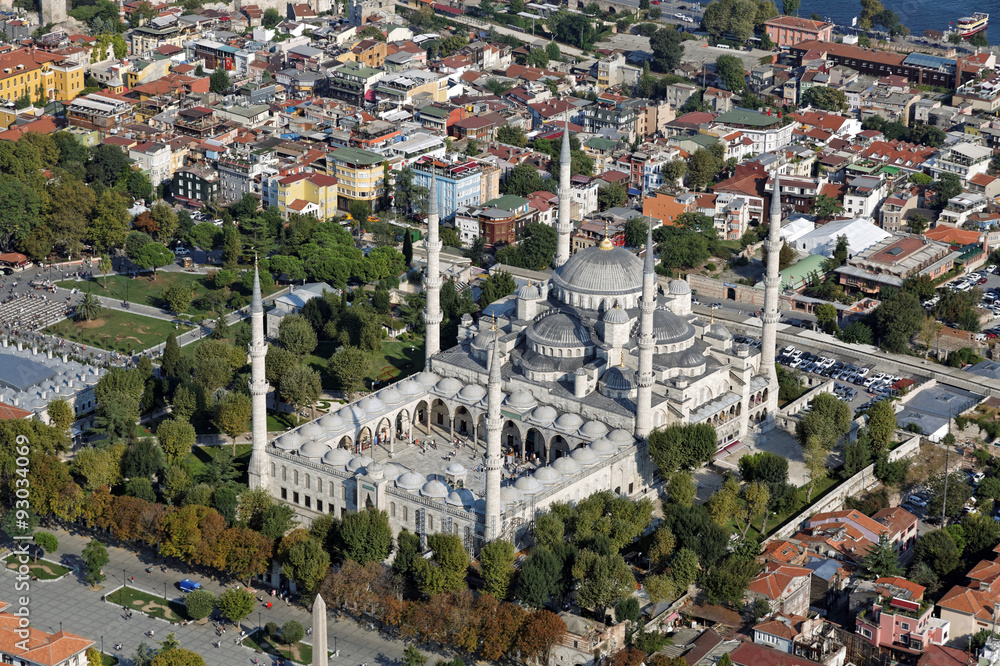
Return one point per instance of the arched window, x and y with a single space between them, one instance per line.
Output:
406 513
308 482
430 522
392 509
284 473
295 477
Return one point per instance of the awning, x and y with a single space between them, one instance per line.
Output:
634 192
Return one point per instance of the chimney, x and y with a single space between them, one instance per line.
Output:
65 358
48 353
19 348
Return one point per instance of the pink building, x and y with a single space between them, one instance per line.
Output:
900 619
790 30
898 524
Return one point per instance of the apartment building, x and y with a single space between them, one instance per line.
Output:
359 175
196 185
39 75
308 194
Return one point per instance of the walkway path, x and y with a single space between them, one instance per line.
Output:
70 604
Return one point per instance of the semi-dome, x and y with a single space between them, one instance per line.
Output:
461 497
547 475
358 462
718 330
472 393
311 431
510 494
372 405
544 414
604 447
521 400
289 442
411 481
618 379
390 396
434 489
483 340
410 387
528 485
427 379
565 466
616 315
620 436
601 271
337 457
456 469
528 291
584 457
669 328
559 330
448 386
593 430
313 449
678 288
331 422
569 422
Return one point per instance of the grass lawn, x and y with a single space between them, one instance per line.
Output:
144 291
43 569
776 521
108 660
200 456
150 604
116 331
280 421
395 360
299 652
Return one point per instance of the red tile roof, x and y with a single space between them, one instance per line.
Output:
968 602
10 412
797 23
774 581
749 654
42 648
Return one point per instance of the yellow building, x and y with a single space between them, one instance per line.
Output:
359 175
309 194
39 75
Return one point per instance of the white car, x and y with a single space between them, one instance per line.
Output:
182 251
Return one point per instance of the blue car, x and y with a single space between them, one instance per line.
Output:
188 585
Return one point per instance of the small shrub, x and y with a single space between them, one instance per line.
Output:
710 268
271 629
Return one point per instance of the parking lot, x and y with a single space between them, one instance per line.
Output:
988 281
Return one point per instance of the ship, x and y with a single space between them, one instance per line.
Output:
970 25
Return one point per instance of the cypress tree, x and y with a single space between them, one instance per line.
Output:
408 247
171 356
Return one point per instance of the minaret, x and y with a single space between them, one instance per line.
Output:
494 459
432 313
644 377
320 656
564 226
258 470
772 284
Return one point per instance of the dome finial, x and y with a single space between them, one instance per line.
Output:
621 358
606 244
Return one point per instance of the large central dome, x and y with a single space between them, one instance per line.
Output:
601 272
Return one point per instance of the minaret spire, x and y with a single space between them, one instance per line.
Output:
258 468
646 342
564 226
432 313
494 458
772 285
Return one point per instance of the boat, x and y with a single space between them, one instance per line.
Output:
970 25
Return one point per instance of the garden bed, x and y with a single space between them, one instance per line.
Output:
150 604
42 569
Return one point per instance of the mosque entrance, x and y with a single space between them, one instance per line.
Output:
731 293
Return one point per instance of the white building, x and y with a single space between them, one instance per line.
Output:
153 159
862 233
964 159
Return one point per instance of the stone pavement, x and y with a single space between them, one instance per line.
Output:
68 603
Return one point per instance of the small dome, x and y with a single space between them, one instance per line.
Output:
620 436
331 422
565 466
717 330
669 328
528 485
604 447
390 396
482 340
448 386
584 457
544 414
510 494
521 400
568 422
616 315
472 393
375 470
593 430
393 470
547 475
289 442
313 449
411 481
434 489
372 405
410 387
427 379
456 469
529 292
618 379
337 457
461 497
358 462
353 414
311 431
678 288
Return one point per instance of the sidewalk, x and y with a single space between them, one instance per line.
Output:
70 604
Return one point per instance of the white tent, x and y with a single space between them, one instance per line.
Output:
861 234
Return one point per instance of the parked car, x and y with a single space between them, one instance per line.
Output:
182 251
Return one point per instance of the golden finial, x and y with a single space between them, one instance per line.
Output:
606 244
621 357
493 326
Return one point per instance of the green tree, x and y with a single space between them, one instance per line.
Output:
109 225
881 560
681 488
702 169
272 17
232 415
89 308
60 414
300 387
682 446
816 457
613 195
828 99
235 604
445 571
176 436
177 297
219 82
178 656
730 70
45 541
497 567
947 186
496 286
881 425
95 556
604 580
827 318
349 367
292 632
366 537
667 50
897 319
512 135
153 255
790 7
305 561
199 604
413 657
937 549
826 207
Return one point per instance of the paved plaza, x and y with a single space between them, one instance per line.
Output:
69 604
